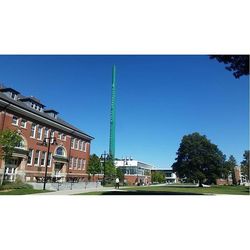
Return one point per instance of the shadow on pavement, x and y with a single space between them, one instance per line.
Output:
146 193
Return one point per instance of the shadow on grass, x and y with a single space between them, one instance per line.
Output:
146 193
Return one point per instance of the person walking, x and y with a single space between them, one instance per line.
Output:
117 183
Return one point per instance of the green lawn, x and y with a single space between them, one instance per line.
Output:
176 190
21 191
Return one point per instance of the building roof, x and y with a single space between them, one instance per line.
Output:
32 99
44 115
4 89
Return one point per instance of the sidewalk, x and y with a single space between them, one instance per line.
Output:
79 191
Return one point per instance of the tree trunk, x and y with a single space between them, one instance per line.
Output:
200 183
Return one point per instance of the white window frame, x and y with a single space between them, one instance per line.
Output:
84 164
17 121
32 154
41 134
72 143
34 135
49 159
44 163
25 123
39 155
76 144
71 162
85 147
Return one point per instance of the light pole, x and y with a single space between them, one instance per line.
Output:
103 159
47 144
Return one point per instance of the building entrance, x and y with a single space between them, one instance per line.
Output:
10 169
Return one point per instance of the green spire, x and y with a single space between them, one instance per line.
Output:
112 115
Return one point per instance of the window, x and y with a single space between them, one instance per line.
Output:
63 137
72 143
33 130
84 146
71 162
46 133
74 162
60 151
59 135
21 144
76 144
81 160
52 136
15 120
84 164
76 166
23 123
37 155
30 156
13 95
39 132
43 158
49 159
79 163
80 145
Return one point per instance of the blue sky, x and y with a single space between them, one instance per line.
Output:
159 99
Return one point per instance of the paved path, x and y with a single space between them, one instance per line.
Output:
79 191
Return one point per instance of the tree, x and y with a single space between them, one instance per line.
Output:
230 168
110 170
198 159
158 177
94 166
245 164
120 174
8 141
239 64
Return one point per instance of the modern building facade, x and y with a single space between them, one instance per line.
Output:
135 172
69 150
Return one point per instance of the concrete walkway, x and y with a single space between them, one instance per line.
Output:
79 191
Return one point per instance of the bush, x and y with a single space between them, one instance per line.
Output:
18 184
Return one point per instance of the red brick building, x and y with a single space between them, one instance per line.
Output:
69 150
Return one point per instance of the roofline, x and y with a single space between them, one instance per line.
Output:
14 106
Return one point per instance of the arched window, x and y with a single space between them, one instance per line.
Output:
21 144
60 151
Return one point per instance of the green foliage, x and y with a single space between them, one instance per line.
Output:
8 141
198 159
158 177
110 170
245 164
18 184
120 174
239 64
229 168
94 165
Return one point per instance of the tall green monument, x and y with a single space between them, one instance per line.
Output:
112 115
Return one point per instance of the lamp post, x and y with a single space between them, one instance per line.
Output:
103 159
47 144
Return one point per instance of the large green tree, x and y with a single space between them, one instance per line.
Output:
198 159
238 64
245 168
110 170
94 165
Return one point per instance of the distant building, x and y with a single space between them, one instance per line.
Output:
67 158
135 172
170 176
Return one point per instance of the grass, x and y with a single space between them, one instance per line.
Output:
18 188
22 191
176 190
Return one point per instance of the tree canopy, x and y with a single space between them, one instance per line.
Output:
238 64
94 166
9 139
198 159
